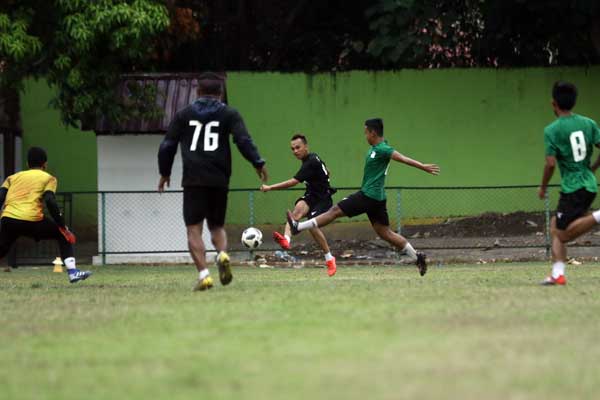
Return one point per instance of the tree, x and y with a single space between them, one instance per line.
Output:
465 33
542 32
281 35
424 34
80 48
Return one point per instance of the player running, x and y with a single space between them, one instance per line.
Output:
203 130
315 201
569 141
370 199
21 197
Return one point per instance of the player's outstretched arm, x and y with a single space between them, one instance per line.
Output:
432 169
263 175
596 164
3 192
166 155
57 216
281 185
53 208
547 175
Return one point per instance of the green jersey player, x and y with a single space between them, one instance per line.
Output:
370 199
569 142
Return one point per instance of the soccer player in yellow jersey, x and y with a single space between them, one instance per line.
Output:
21 199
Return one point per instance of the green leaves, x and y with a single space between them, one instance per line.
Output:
446 33
81 47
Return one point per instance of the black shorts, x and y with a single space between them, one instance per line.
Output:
11 229
316 205
572 206
204 202
358 203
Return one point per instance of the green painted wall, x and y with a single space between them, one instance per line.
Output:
71 152
482 126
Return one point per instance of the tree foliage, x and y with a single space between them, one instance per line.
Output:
81 47
447 33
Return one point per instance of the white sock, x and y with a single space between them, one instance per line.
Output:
558 269
204 273
70 263
596 215
328 256
408 249
311 223
288 238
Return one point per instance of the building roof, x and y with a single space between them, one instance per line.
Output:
173 92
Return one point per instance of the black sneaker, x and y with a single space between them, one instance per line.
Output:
293 223
422 263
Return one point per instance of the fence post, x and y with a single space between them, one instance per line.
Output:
251 217
103 227
547 217
398 212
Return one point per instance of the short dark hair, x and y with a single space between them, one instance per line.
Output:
565 95
210 83
299 136
375 124
36 157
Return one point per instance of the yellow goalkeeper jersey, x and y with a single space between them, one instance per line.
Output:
25 192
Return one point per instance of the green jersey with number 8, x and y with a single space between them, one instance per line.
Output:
571 140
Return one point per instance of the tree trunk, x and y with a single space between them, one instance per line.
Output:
595 36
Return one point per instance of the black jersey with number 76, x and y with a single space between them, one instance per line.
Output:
202 129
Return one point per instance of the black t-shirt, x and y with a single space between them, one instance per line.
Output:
202 129
315 175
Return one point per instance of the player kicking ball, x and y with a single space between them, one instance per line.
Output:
315 201
569 141
21 195
370 199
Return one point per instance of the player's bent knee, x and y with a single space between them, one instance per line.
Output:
297 215
336 211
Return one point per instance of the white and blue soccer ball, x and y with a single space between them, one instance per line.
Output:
252 238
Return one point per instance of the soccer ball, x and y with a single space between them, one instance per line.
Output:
252 238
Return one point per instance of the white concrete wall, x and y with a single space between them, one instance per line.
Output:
139 221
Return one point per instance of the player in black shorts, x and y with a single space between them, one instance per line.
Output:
370 199
569 142
315 201
202 129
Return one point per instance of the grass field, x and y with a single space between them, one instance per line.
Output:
461 332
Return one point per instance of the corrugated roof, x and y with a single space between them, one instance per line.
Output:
173 92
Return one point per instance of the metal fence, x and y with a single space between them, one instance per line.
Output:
146 223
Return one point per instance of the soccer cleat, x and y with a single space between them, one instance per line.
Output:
77 275
203 284
224 264
422 263
293 223
281 240
331 267
550 281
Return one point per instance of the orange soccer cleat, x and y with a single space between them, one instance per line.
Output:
550 281
331 267
281 240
